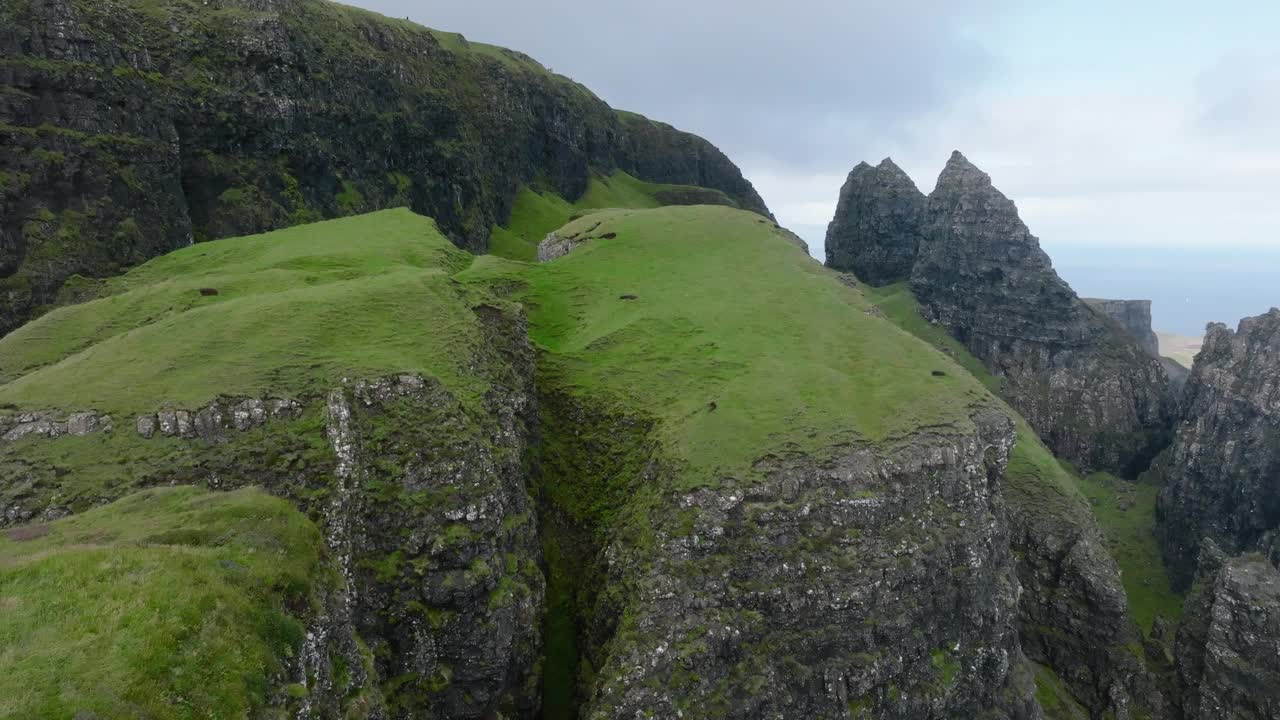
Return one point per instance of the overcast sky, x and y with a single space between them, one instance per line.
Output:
1140 124
1135 123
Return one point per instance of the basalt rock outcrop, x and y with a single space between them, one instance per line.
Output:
435 532
16 426
1088 389
876 585
1228 646
1221 477
878 225
1135 317
131 128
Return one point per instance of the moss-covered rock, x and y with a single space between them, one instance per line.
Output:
206 120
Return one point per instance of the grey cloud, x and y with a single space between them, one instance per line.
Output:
1239 97
773 83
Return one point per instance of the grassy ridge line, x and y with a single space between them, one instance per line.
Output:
295 311
180 606
537 212
735 342
1039 483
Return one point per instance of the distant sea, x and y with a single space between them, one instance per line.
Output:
1188 287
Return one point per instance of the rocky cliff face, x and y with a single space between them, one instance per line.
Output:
1227 660
1221 477
876 585
1073 613
131 128
877 228
1089 391
1086 387
1135 317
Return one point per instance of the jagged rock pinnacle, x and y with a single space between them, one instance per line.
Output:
876 230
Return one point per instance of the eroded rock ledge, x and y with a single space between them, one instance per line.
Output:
1228 647
214 421
16 426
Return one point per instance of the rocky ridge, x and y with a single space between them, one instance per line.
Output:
1227 663
131 128
871 586
1086 387
1219 476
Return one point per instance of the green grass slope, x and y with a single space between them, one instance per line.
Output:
710 321
538 212
295 311
170 603
704 338
1126 513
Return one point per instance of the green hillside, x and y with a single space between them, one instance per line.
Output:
538 212
695 338
709 321
703 329
170 603
294 312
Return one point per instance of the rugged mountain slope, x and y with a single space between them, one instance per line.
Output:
1086 387
1221 477
129 128
801 525
1077 609
1219 515
1226 654
731 526
339 366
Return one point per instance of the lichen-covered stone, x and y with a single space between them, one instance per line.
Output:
14 427
216 421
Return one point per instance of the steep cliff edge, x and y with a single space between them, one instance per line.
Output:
131 128
1082 610
1134 316
804 525
1227 662
1220 476
708 514
1086 387
358 381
